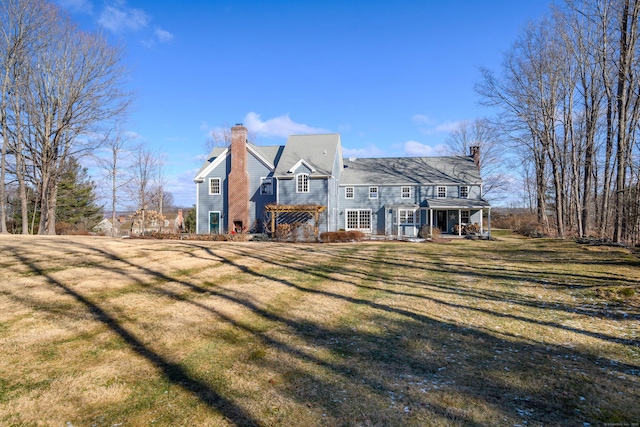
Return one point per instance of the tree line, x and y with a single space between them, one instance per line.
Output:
568 100
63 98
59 87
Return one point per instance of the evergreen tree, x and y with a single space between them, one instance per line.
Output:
190 221
77 202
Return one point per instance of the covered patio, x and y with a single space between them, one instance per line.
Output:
446 213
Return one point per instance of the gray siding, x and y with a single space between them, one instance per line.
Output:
384 221
288 195
212 203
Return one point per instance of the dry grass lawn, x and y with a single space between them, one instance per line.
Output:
105 332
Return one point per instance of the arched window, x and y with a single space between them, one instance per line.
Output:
302 183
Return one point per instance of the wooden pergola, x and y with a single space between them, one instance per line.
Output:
274 210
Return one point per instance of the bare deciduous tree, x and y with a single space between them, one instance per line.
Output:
569 92
482 133
221 137
64 84
113 164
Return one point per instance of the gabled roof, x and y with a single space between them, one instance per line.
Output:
268 155
452 170
317 151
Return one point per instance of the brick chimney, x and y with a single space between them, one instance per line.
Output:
238 186
475 153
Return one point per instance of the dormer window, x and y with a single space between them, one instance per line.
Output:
464 191
302 183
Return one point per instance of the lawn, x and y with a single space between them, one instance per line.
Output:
103 332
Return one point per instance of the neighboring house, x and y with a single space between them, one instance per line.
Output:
105 226
390 196
173 223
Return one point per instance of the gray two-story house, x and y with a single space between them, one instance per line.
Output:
390 196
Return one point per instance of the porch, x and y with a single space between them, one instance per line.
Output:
459 216
452 216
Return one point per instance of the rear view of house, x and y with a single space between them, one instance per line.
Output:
237 185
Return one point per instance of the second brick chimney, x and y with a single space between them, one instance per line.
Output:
238 185
475 153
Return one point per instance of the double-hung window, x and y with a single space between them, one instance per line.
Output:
373 192
464 191
214 186
442 192
302 184
348 192
406 192
464 217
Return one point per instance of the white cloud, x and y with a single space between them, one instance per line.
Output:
281 126
119 17
416 149
370 151
183 189
163 36
447 126
429 126
422 119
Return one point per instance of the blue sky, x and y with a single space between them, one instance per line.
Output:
393 78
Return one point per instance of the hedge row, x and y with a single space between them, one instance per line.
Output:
342 236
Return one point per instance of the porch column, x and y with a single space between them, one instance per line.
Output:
481 228
431 222
459 222
489 222
273 222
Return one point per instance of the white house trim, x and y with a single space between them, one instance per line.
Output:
206 171
258 156
299 163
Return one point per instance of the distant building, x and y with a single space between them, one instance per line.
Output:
173 223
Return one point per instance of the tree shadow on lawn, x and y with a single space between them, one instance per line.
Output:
173 372
529 256
390 359
325 270
418 370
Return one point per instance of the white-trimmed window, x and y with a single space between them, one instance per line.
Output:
266 186
302 183
442 192
464 191
406 216
214 186
348 192
373 192
464 217
358 219
406 192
